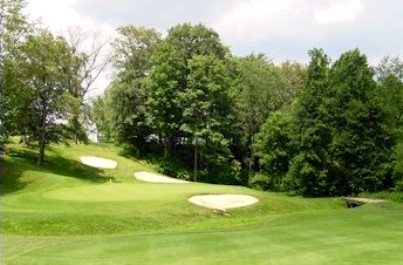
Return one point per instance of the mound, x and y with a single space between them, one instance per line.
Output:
223 201
156 178
98 162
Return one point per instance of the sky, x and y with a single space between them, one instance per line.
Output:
281 30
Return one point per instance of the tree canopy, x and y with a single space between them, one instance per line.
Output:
183 101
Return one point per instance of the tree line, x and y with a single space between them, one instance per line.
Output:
321 129
186 103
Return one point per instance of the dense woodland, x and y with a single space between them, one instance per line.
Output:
326 128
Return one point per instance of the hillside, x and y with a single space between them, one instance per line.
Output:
67 213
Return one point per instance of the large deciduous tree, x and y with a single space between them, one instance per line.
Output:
15 99
259 89
206 106
167 80
126 95
169 76
45 59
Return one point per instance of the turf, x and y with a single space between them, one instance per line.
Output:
68 213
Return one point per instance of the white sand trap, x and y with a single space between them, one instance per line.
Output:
223 201
98 162
156 178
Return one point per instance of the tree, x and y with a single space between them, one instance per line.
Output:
169 77
207 106
132 51
389 92
193 40
310 166
362 146
126 96
167 80
86 66
100 116
259 91
15 27
389 66
44 58
295 78
183 94
389 98
343 146
275 149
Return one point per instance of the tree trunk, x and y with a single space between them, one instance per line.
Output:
251 160
42 133
77 129
166 146
23 139
195 161
42 142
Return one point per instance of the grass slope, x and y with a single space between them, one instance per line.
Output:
68 213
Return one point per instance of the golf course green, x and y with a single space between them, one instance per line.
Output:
68 213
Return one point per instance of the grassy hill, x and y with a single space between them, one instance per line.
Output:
68 213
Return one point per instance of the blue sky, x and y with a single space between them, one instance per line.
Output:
281 29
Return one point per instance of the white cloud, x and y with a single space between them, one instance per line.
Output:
340 11
60 15
257 20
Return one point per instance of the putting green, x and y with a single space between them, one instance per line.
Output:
112 192
118 192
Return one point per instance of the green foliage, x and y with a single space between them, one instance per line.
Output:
206 107
193 40
334 136
14 97
274 148
100 116
259 89
132 51
389 66
262 181
295 78
120 114
167 79
171 166
129 150
45 59
343 147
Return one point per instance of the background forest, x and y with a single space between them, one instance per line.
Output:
326 128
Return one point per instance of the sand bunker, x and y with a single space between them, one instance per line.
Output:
156 178
223 201
98 162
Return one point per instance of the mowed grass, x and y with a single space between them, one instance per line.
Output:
68 213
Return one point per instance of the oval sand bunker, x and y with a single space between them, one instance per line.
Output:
98 162
155 178
223 201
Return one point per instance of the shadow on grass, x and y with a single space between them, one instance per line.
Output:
10 179
22 160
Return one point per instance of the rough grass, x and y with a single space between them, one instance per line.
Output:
68 213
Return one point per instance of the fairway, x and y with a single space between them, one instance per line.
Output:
69 213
